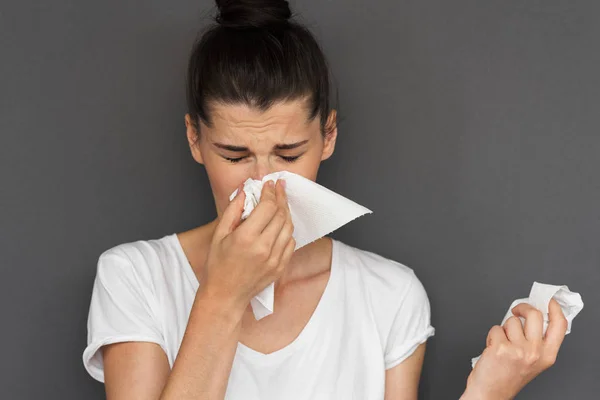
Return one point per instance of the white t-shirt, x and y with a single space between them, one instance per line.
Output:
373 314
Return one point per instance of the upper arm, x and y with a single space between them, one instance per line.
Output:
402 381
405 346
411 325
134 370
126 348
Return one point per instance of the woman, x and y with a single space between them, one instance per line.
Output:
170 317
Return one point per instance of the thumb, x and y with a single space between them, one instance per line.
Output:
232 215
496 335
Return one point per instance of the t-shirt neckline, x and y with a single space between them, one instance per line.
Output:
309 330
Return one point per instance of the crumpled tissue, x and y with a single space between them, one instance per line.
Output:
539 297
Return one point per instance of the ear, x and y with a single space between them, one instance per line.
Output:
330 135
193 139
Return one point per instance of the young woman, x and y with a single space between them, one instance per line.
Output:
170 317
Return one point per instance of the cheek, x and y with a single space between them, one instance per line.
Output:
225 179
307 166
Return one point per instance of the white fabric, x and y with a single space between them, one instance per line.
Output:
539 297
373 314
316 211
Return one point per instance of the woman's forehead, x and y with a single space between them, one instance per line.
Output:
288 118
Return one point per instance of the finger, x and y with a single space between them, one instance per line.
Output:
284 237
288 252
286 256
232 215
534 321
280 195
264 211
557 327
284 197
514 330
496 335
273 231
283 203
286 204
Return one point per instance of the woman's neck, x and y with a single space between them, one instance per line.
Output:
311 259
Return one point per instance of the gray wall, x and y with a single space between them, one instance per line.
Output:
470 129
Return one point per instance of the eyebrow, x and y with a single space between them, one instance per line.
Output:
281 146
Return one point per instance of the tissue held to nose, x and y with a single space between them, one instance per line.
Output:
253 190
315 210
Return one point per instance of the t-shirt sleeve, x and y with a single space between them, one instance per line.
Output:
411 325
120 310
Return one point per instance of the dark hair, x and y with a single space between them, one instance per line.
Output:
257 55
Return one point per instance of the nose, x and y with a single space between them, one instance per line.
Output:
261 168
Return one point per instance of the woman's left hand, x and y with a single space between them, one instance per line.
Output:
515 354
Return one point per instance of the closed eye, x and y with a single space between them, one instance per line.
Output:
234 160
290 159
284 158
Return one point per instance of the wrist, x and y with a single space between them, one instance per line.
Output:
477 394
224 307
470 394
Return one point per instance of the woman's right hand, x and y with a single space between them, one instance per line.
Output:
246 256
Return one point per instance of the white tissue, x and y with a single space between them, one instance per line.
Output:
315 210
539 297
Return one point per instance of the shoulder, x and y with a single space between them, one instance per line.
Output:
135 250
139 260
383 277
389 292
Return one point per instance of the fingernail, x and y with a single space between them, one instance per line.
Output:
283 183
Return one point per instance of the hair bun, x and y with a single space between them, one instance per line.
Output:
253 13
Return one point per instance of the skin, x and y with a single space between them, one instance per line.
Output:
221 315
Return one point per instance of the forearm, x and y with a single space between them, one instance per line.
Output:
203 364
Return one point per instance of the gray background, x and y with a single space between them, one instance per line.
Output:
469 127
